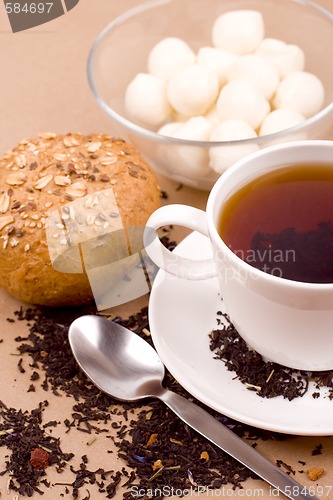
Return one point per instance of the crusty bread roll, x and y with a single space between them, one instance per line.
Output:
41 176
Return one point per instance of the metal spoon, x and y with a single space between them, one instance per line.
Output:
122 364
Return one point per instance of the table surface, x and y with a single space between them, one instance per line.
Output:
43 87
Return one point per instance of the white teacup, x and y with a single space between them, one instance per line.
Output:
286 321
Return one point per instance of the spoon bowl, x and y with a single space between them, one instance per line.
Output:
117 361
123 365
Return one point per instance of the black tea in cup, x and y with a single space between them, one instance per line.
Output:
282 223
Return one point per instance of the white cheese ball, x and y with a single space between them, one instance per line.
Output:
258 70
193 90
169 128
287 58
238 31
280 119
178 117
240 99
146 100
232 130
168 56
213 116
301 91
222 157
191 161
197 128
217 60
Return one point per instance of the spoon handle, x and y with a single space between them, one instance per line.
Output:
228 441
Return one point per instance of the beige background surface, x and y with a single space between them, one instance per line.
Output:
43 87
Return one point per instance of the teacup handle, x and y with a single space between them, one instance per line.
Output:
182 267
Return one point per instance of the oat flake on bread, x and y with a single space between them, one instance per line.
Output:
42 175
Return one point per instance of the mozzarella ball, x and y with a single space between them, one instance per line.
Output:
280 119
212 116
301 91
222 157
238 31
240 99
191 161
287 58
146 100
232 130
197 128
217 60
258 70
168 56
178 117
193 90
169 128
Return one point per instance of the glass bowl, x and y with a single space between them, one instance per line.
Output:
121 51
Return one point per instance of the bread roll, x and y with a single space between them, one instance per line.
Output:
45 176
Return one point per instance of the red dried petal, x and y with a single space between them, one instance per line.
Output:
39 458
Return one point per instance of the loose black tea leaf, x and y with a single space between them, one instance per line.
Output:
156 447
171 454
22 433
266 378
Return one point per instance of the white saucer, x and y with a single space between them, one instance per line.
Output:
181 315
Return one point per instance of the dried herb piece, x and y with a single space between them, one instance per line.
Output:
315 473
21 432
267 379
317 450
287 468
177 448
39 458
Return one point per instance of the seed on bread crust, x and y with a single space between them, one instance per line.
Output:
51 173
